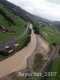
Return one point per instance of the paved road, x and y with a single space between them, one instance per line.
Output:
19 60
14 39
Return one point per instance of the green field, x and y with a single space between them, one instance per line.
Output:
50 34
18 28
59 52
55 68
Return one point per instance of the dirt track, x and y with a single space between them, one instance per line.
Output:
43 47
19 60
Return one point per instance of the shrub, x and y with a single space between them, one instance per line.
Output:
36 30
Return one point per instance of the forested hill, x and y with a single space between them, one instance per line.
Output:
17 10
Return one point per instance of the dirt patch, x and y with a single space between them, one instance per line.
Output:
43 47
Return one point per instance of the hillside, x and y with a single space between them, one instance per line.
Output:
11 22
12 27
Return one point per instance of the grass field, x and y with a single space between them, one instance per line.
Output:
55 68
52 35
5 37
2 57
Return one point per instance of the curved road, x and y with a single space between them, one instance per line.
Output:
19 60
2 45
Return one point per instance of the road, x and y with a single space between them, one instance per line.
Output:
19 60
14 39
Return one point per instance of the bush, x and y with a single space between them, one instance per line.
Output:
27 40
3 53
36 30
54 44
29 31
